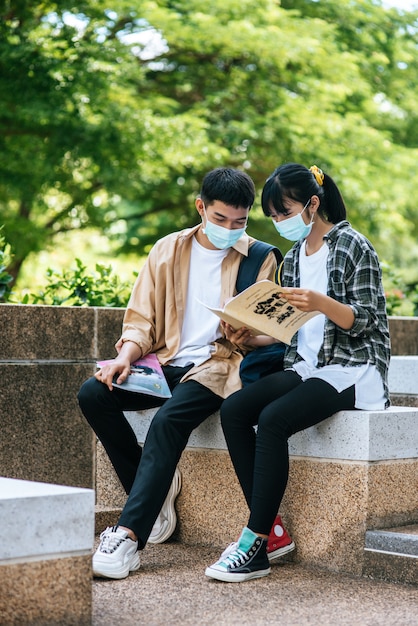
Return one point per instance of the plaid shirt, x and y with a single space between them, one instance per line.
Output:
354 278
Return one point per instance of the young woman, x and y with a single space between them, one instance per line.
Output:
337 360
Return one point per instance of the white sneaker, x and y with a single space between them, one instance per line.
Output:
166 521
117 554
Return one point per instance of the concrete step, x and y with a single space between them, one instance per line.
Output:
45 557
392 554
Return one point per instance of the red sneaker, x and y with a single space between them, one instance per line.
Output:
279 542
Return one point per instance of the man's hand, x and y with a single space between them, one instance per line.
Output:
118 370
239 337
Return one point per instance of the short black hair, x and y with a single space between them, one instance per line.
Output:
230 186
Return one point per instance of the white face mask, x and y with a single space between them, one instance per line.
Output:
222 237
294 228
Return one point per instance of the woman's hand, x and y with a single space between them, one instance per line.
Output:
304 299
308 300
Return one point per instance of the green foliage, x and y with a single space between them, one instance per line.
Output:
401 296
412 296
78 287
99 128
5 261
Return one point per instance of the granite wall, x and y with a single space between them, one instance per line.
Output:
404 335
46 352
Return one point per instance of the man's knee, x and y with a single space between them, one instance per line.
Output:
163 420
170 425
89 390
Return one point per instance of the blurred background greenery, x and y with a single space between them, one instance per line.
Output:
110 117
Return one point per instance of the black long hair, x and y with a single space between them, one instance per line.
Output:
297 182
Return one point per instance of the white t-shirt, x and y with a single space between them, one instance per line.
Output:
201 326
368 383
313 275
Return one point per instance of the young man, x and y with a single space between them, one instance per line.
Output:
165 315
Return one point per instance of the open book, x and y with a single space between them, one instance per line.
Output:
146 376
262 309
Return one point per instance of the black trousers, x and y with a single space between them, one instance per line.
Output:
280 405
146 474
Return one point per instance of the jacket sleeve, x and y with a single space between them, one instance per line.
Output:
268 267
358 283
139 319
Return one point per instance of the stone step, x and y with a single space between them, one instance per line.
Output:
105 516
350 435
392 554
45 557
403 375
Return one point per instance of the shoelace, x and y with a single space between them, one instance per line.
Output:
110 540
238 557
228 550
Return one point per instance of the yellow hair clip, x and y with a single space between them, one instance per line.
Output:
318 173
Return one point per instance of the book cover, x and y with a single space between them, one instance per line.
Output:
146 376
262 309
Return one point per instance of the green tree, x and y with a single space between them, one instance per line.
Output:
5 260
76 136
98 130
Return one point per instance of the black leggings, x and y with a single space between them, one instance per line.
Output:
280 405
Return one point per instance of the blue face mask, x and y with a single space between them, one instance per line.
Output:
294 228
222 237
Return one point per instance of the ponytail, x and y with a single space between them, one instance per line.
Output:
333 209
299 183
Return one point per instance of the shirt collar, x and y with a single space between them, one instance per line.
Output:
242 244
332 235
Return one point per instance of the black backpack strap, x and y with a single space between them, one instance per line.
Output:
278 274
251 264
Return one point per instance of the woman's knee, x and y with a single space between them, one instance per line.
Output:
274 423
235 412
230 408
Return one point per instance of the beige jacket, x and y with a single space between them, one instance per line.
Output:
154 315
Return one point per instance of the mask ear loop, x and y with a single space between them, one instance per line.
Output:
305 207
206 216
